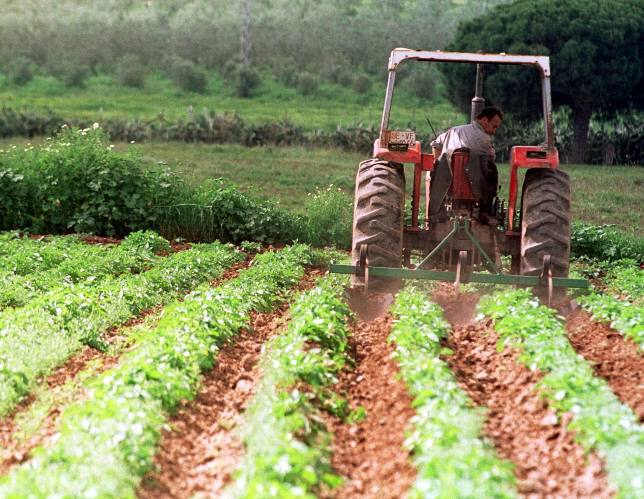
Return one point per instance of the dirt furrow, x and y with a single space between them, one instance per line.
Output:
548 462
200 452
370 453
613 357
14 448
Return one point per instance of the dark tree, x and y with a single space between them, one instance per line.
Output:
596 54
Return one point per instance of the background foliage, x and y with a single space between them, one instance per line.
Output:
339 37
596 51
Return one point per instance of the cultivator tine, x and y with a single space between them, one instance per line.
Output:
364 266
460 268
546 276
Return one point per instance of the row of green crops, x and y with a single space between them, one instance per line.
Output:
622 303
107 442
623 316
600 421
626 279
287 445
23 256
43 334
451 458
84 263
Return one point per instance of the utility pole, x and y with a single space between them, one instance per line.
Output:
245 41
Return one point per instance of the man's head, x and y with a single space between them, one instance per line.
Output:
490 119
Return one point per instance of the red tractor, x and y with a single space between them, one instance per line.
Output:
455 240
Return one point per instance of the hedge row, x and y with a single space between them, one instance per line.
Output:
621 142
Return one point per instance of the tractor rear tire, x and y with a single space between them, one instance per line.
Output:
545 223
378 219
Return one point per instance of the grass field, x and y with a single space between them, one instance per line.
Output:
327 107
601 195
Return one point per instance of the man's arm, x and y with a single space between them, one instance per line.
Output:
437 145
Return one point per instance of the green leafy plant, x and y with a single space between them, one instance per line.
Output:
287 445
78 183
21 255
626 279
86 264
604 242
451 457
623 316
218 210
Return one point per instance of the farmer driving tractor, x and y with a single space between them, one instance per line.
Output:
476 139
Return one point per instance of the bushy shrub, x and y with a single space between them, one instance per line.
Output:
187 75
71 73
361 84
328 216
306 83
247 80
76 183
341 75
421 81
285 70
130 71
19 70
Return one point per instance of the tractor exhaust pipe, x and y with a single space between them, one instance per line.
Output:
478 102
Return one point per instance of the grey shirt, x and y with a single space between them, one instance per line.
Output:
471 136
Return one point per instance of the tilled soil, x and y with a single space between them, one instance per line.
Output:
14 451
370 454
203 448
548 462
613 357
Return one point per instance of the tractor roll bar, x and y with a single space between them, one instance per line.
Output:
542 62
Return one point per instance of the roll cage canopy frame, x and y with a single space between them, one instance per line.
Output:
400 55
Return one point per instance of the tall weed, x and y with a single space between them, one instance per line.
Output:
328 215
218 210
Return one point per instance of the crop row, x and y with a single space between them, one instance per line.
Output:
623 304
451 457
22 256
623 316
84 263
41 335
600 421
626 279
107 442
287 445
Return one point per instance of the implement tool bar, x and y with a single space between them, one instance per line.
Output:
485 278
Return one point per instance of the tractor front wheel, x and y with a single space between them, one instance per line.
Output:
545 223
378 218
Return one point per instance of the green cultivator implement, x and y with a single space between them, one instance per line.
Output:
465 226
